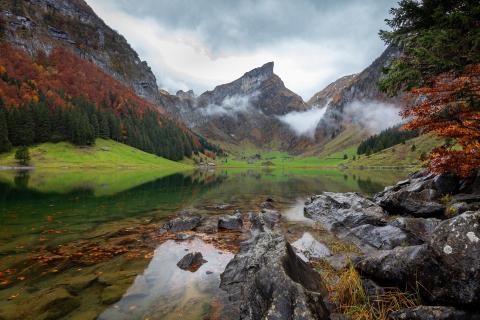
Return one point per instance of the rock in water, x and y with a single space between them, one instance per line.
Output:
231 222
191 261
342 211
267 280
183 223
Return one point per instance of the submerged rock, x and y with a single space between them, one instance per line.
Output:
232 222
191 261
53 303
267 280
208 225
264 220
342 211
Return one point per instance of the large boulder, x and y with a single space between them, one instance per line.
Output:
433 313
267 280
342 211
383 237
419 227
446 269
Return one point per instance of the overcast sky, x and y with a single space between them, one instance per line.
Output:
198 44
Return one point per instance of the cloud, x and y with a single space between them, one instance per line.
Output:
199 44
304 123
230 106
372 115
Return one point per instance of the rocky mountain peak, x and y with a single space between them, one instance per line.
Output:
265 71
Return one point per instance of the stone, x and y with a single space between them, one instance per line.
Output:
267 280
309 247
341 261
432 313
53 303
183 236
191 261
446 183
231 222
182 223
78 283
342 211
208 225
112 294
419 227
446 269
384 237
264 220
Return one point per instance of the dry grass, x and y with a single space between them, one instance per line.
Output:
351 298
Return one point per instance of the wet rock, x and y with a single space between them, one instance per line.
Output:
208 225
53 303
183 236
191 261
310 248
264 220
209 272
267 280
432 313
420 227
183 223
232 222
78 283
342 211
384 237
447 267
112 294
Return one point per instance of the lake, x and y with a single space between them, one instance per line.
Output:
86 244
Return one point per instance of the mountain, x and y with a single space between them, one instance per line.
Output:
47 24
244 112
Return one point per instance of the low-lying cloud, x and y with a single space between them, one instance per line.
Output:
372 115
304 123
230 106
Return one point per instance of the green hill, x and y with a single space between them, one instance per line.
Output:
104 154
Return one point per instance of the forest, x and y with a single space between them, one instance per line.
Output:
385 139
63 98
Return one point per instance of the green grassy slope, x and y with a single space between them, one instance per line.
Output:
400 155
104 154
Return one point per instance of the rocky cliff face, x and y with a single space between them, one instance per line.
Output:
45 24
244 111
360 87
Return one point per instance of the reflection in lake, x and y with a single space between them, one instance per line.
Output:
81 244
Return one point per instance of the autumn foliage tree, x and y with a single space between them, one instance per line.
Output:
440 70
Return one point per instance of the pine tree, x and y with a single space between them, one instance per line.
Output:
5 144
22 155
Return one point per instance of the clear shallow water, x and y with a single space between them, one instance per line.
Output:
82 245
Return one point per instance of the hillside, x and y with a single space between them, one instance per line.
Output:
44 25
105 154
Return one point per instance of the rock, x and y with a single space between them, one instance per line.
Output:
183 223
208 225
384 237
267 280
191 261
183 236
233 222
342 211
309 247
373 290
265 220
420 227
209 272
456 246
112 294
341 261
446 183
267 205
447 267
78 283
432 313
53 303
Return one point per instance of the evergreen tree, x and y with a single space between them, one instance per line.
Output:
5 144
